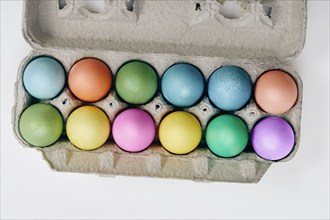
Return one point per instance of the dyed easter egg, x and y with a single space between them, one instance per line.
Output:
88 127
227 135
133 130
44 77
90 79
230 88
182 85
272 138
136 82
41 125
180 132
276 92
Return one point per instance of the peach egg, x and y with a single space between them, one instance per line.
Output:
90 79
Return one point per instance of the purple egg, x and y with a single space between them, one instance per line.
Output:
272 138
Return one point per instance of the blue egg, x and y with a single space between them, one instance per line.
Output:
44 78
182 85
229 88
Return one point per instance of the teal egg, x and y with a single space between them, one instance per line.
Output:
227 135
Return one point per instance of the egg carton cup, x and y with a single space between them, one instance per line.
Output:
162 33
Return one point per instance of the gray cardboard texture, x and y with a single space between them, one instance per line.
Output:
162 33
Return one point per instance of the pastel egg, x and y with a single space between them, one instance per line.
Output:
133 130
88 127
182 85
180 132
136 82
272 138
90 79
276 92
227 135
230 88
44 77
41 125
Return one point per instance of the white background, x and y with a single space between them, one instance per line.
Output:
296 189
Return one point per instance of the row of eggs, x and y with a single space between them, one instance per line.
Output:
134 130
182 84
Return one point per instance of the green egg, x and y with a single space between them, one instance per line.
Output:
136 82
41 125
227 135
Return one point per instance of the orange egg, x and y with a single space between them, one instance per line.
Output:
276 92
90 79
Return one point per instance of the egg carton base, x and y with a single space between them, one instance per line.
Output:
63 156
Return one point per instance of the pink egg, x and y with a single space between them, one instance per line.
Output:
133 130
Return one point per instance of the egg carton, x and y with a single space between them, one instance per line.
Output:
162 33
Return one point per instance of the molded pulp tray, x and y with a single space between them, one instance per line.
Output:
163 33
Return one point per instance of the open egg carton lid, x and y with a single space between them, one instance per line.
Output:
248 29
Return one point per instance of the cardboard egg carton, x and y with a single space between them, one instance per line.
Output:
266 35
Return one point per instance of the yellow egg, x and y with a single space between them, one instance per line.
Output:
180 132
88 127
